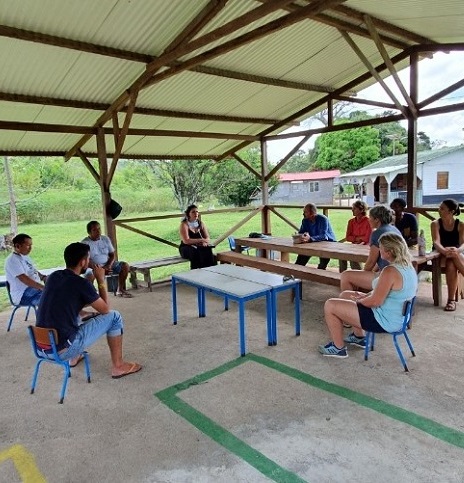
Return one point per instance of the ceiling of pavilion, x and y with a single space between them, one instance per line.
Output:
193 79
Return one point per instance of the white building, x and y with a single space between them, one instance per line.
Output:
440 175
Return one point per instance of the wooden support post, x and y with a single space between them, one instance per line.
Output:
109 227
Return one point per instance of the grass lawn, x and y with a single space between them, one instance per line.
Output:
50 239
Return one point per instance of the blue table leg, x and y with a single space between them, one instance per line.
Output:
272 316
226 303
241 327
297 309
201 302
174 300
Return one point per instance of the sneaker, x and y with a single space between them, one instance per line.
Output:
330 350
355 340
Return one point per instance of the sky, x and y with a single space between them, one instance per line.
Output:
434 75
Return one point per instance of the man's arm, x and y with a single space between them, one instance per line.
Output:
321 229
99 273
109 264
30 282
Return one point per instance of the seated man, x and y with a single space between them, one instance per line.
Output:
405 222
24 279
314 228
63 299
102 255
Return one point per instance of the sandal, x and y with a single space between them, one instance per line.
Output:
124 294
450 306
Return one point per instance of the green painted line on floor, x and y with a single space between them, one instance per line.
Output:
437 430
235 445
256 459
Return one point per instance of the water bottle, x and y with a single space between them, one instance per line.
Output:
421 243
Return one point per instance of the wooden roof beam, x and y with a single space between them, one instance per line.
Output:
92 130
384 26
373 72
386 58
349 26
203 116
172 55
367 102
37 37
441 94
243 39
261 79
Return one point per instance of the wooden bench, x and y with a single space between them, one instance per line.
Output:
284 268
145 267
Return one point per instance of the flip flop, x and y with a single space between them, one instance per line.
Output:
450 306
79 359
124 294
132 370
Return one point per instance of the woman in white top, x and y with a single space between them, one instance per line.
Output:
380 310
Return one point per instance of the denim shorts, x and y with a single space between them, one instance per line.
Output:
31 296
110 324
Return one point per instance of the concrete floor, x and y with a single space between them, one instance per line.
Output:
199 413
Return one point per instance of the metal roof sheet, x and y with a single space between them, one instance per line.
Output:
93 52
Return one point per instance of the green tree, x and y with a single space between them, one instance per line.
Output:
238 184
300 162
347 150
190 181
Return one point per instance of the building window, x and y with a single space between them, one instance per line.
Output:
313 186
442 180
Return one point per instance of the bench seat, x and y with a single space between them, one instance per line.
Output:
284 268
145 267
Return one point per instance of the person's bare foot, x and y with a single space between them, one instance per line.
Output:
125 369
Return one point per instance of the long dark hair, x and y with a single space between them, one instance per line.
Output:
453 206
187 212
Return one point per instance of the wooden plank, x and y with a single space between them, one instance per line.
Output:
284 268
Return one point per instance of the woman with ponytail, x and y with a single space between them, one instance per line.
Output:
448 239
195 243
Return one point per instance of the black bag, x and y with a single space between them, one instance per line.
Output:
113 209
254 234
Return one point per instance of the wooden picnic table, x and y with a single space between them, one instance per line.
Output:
338 251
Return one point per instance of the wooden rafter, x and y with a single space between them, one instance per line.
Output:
91 130
244 39
258 79
172 55
373 72
366 102
384 26
386 58
96 106
276 168
246 165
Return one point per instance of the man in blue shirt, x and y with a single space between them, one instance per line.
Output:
314 228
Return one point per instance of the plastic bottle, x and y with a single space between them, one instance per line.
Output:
421 243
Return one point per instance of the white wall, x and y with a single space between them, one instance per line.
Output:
454 164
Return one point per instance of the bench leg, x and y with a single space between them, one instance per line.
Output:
147 279
133 279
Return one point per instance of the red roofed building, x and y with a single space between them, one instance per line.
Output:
309 187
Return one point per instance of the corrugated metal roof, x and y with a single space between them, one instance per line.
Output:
400 161
311 52
309 176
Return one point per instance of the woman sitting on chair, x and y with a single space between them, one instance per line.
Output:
380 310
195 243
380 218
448 239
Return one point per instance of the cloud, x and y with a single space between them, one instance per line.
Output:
434 75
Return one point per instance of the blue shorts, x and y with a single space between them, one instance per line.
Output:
368 321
